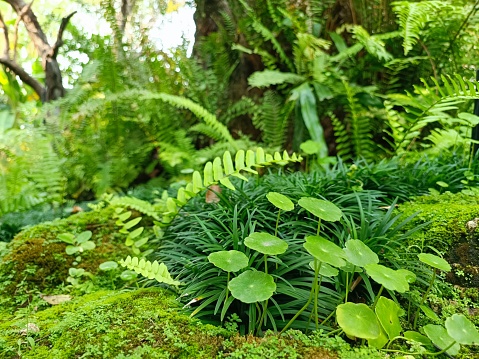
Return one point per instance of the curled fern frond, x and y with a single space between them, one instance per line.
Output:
155 270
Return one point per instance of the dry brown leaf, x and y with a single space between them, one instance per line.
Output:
56 299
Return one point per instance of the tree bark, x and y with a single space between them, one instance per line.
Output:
53 87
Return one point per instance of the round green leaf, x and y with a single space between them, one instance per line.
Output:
72 249
387 312
325 270
325 251
88 246
322 209
280 201
310 147
128 275
439 337
110 265
67 238
266 243
417 337
388 277
410 276
359 253
462 330
229 261
83 236
358 320
434 261
252 286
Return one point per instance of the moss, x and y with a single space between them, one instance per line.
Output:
141 324
35 261
444 218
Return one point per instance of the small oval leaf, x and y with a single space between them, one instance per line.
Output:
434 261
229 261
252 286
266 243
280 201
322 209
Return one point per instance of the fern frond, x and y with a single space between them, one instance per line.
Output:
267 78
413 17
433 105
219 171
150 270
136 204
341 137
372 44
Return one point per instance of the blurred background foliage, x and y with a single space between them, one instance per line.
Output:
275 73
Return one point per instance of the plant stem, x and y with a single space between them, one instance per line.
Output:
347 287
424 298
319 225
277 223
377 297
311 293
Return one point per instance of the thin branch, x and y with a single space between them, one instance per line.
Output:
6 50
22 12
59 41
24 76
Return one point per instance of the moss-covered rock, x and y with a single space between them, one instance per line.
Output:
148 323
35 261
450 226
141 324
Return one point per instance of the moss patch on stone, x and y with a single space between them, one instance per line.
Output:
35 261
451 226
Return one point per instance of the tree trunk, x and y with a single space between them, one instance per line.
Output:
53 87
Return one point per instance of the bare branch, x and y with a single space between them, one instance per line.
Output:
59 41
24 76
15 28
3 26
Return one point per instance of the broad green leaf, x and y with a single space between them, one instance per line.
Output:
252 286
380 341
350 268
239 160
229 261
280 201
304 96
110 265
441 339
250 158
124 216
434 261
88 246
227 183
128 275
270 77
266 243
141 242
83 237
72 250
410 276
417 337
388 277
310 147
197 182
429 312
387 312
325 251
67 238
325 269
462 330
358 320
359 253
322 209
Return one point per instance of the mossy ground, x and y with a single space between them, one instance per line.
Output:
36 262
147 323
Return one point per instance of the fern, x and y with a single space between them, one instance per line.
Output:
433 105
413 17
268 77
150 270
200 112
341 137
372 44
219 171
136 204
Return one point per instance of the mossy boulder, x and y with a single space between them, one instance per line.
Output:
148 323
451 225
35 260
